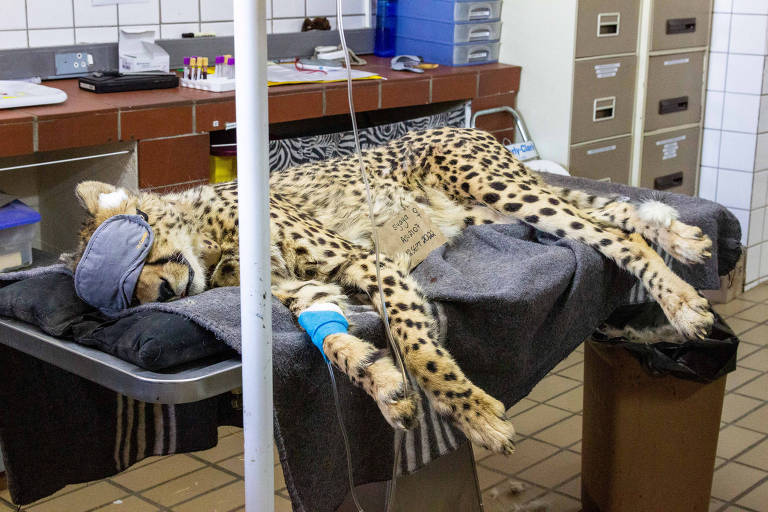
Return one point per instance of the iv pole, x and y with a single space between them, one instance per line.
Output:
255 293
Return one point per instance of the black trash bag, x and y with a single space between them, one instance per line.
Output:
703 360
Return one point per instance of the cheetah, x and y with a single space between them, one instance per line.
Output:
322 252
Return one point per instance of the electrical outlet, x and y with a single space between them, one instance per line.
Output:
73 63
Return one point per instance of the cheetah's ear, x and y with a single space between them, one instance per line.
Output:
95 196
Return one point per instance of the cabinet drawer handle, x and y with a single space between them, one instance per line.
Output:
668 181
480 13
479 55
608 24
681 26
672 105
480 34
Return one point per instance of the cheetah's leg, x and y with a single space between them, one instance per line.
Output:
476 413
365 365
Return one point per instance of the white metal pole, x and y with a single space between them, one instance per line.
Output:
255 294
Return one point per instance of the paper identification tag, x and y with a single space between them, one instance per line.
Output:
410 231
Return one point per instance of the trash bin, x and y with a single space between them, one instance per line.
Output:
223 163
652 417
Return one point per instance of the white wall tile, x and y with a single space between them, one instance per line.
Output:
721 29
321 7
765 225
174 30
710 148
740 112
220 28
753 264
51 37
744 74
350 22
750 6
713 115
88 15
761 156
49 14
717 66
743 217
708 183
755 233
177 11
140 14
142 28
737 151
96 35
13 39
765 76
734 189
353 6
282 26
14 15
216 10
289 9
760 190
762 125
723 5
749 34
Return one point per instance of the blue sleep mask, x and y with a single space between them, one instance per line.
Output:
107 274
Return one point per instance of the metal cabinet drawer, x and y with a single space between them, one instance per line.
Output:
606 27
603 98
670 161
602 160
674 90
680 24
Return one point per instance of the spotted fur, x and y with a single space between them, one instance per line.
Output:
321 251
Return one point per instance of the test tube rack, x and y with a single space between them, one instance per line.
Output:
212 84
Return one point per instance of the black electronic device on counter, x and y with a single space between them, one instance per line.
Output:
117 82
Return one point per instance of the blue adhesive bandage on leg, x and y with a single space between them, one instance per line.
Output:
321 320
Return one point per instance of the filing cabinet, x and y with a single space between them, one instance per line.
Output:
603 98
670 161
604 80
680 24
608 160
674 90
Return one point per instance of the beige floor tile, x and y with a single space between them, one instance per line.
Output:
282 505
129 504
572 401
528 453
550 386
758 313
739 377
88 497
580 348
61 492
576 447
279 477
736 406
227 447
733 478
560 503
521 406
488 478
480 453
757 498
220 500
715 504
757 456
746 349
6 508
574 372
719 461
757 294
147 461
734 440
554 470
562 434
234 464
572 359
732 307
757 360
758 388
500 498
537 418
187 487
161 471
756 336
572 488
756 420
739 326
227 430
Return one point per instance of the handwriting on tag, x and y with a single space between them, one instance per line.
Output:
410 231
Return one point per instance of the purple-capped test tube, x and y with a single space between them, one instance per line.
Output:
219 71
231 67
186 67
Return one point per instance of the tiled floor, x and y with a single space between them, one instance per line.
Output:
547 460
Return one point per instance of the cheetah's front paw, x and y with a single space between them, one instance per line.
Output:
401 410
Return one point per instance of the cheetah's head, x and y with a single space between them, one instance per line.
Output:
175 266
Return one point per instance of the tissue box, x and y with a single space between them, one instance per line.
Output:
138 52
17 230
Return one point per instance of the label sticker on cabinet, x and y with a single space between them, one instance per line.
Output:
677 61
601 150
607 70
670 147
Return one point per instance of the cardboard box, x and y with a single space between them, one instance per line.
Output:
731 286
649 443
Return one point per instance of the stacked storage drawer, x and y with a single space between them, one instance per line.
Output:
449 32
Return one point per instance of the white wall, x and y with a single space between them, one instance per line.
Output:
33 23
735 146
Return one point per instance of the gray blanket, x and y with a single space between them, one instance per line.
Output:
514 302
